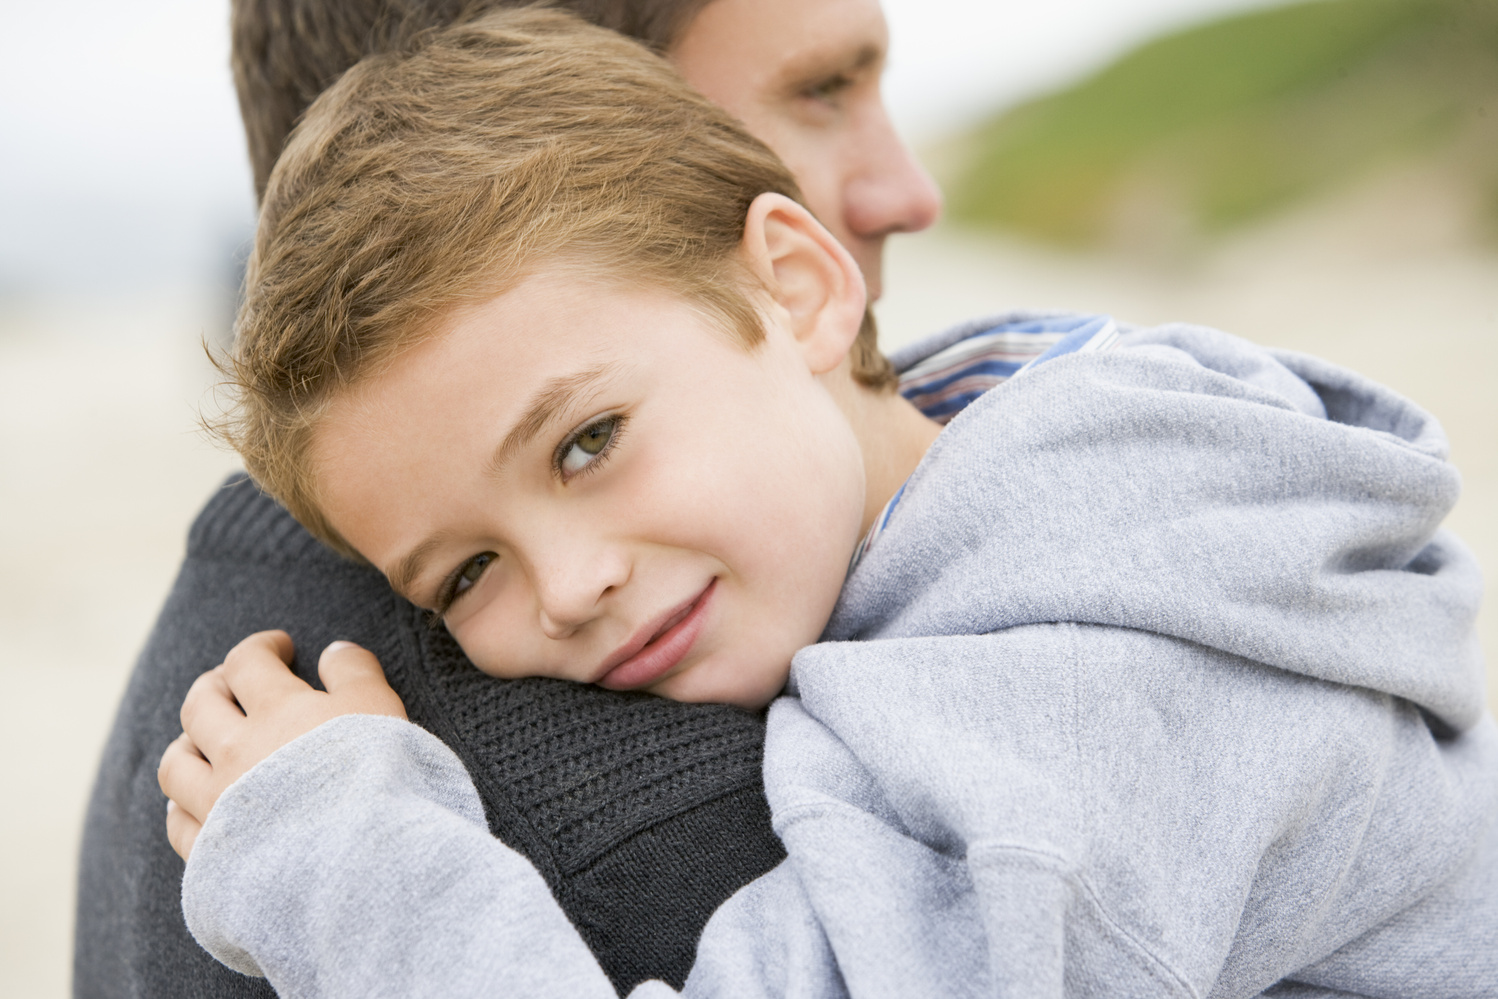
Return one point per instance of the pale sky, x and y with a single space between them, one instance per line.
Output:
953 60
123 161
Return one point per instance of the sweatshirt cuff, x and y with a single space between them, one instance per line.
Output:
277 830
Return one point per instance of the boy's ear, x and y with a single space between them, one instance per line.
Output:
809 275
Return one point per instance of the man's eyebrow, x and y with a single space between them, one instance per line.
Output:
550 399
811 68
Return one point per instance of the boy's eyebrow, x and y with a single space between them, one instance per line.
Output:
548 400
409 567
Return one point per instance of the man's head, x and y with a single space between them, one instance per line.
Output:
528 313
803 75
287 52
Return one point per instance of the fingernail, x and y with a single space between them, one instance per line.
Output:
339 646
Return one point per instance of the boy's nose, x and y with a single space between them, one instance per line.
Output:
570 593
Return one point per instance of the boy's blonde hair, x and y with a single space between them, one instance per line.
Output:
437 177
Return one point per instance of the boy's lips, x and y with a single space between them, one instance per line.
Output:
658 646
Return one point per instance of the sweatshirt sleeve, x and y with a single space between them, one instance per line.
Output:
355 861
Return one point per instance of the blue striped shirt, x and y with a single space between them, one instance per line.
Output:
942 385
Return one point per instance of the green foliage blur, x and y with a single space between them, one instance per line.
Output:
1238 118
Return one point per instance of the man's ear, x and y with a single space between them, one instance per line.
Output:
809 275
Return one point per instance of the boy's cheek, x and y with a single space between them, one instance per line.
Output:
473 633
486 627
490 663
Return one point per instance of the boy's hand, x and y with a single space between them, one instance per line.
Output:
239 713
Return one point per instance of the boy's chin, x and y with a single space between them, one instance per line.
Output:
750 696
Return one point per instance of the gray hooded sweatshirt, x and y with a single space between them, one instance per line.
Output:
1161 680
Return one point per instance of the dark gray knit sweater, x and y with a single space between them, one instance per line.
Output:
642 814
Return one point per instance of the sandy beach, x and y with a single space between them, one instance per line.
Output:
102 467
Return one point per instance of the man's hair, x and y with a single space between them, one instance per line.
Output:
427 180
287 52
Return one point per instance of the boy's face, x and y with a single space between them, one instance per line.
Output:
597 485
803 76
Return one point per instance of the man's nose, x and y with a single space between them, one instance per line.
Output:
889 191
573 582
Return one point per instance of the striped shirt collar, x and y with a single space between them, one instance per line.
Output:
944 382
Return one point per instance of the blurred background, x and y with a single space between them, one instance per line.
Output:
1321 176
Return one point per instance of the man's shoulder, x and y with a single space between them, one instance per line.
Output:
242 523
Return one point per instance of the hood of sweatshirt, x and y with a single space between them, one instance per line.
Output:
1189 483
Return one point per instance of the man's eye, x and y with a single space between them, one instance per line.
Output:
828 89
587 446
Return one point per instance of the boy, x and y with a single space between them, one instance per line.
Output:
598 789
1152 673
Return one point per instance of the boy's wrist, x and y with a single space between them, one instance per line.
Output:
274 833
242 711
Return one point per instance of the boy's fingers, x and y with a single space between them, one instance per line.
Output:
209 714
353 677
186 778
181 829
258 673
275 641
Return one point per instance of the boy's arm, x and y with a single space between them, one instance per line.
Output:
347 854
356 862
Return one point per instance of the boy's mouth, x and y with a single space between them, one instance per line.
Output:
658 646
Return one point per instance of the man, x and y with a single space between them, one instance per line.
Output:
643 815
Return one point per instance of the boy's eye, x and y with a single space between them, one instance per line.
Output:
587 446
471 571
459 583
